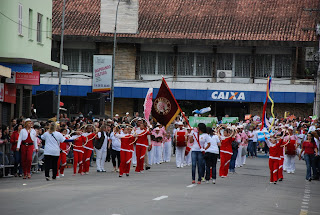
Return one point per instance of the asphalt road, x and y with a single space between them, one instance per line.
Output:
162 190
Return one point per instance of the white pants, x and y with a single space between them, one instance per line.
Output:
180 156
157 152
101 158
134 157
167 151
290 163
244 158
187 159
150 156
239 159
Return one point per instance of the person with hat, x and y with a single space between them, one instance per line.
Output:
27 141
156 141
190 141
181 138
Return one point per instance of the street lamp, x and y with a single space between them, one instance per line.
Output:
113 59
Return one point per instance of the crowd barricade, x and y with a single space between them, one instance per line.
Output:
6 159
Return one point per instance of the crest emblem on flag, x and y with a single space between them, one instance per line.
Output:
162 106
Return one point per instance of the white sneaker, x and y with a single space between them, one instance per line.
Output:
62 175
141 172
207 182
213 181
58 177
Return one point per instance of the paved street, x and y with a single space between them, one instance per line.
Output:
162 190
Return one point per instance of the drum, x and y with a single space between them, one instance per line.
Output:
291 148
181 138
188 149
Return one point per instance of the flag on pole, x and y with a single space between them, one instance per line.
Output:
148 104
165 107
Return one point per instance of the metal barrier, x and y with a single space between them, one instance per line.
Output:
5 149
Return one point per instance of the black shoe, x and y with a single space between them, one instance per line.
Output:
120 176
148 167
127 174
309 179
99 170
281 179
48 179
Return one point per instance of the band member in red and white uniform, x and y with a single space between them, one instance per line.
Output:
142 145
274 157
78 152
156 141
88 147
181 138
225 152
27 141
127 140
62 161
290 151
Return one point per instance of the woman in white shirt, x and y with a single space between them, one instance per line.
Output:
201 137
52 150
211 155
27 141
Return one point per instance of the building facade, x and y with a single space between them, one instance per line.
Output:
218 55
26 39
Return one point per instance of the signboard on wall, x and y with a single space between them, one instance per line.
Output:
127 21
10 93
102 73
208 121
24 78
230 120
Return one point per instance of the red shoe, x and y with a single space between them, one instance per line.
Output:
193 182
199 182
24 177
29 176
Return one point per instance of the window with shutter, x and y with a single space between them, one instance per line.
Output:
224 61
30 24
242 65
148 63
20 20
185 64
283 66
263 65
39 28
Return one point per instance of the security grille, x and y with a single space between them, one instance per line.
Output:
204 65
242 65
224 61
263 65
185 64
283 66
148 63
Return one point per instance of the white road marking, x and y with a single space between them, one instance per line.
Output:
160 198
191 185
305 200
305 206
24 184
306 203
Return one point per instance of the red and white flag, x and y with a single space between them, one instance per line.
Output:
148 104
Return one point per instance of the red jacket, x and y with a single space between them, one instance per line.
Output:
14 140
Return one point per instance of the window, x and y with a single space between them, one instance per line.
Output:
148 63
47 28
263 65
224 61
39 28
204 64
20 20
185 64
30 24
283 66
78 60
165 63
242 65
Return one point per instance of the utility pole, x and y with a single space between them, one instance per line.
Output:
61 58
113 60
317 99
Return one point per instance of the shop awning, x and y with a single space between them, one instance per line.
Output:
22 68
5 71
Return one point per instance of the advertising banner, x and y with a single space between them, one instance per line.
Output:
102 71
230 120
10 93
208 121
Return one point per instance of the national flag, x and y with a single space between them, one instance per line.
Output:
202 111
148 104
165 107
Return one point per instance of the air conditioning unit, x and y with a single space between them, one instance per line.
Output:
224 76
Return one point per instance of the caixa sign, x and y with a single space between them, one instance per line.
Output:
228 95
